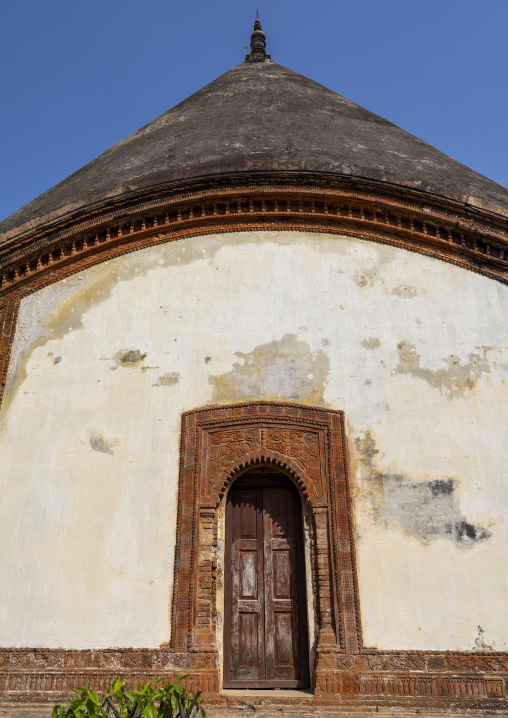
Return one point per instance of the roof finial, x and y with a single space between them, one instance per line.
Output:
258 44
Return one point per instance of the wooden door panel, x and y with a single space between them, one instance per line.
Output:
280 513
248 567
282 644
283 639
248 655
246 640
247 507
281 574
267 632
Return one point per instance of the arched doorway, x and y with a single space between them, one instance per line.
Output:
265 626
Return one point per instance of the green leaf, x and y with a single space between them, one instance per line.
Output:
172 699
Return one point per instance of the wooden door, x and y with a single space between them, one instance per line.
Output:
265 628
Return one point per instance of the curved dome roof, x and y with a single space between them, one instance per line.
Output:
262 117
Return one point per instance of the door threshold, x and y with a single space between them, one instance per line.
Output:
248 694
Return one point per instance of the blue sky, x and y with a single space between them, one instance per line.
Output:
79 76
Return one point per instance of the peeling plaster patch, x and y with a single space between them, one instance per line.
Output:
54 311
129 357
168 379
365 279
57 360
285 369
98 442
405 291
371 343
426 509
454 380
372 270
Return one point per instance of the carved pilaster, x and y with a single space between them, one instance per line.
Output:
326 634
204 630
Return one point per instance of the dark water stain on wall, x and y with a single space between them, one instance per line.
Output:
453 381
480 644
371 343
129 357
366 278
98 442
405 291
427 509
283 369
168 379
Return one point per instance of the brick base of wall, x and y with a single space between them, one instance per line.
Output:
411 679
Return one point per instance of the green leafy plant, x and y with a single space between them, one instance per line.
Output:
153 700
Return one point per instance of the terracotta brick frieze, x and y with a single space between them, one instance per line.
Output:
100 659
433 677
387 678
40 674
443 230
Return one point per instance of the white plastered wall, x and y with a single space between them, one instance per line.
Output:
105 362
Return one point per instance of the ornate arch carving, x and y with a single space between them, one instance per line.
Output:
266 458
308 444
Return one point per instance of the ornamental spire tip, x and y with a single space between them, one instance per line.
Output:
258 44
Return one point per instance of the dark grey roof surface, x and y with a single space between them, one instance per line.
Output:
262 117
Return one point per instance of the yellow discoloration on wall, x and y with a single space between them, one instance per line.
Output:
287 369
454 380
53 313
405 291
168 379
88 535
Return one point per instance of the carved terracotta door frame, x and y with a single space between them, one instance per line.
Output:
308 445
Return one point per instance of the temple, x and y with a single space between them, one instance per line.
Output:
253 414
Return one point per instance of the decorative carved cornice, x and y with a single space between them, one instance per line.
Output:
443 230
